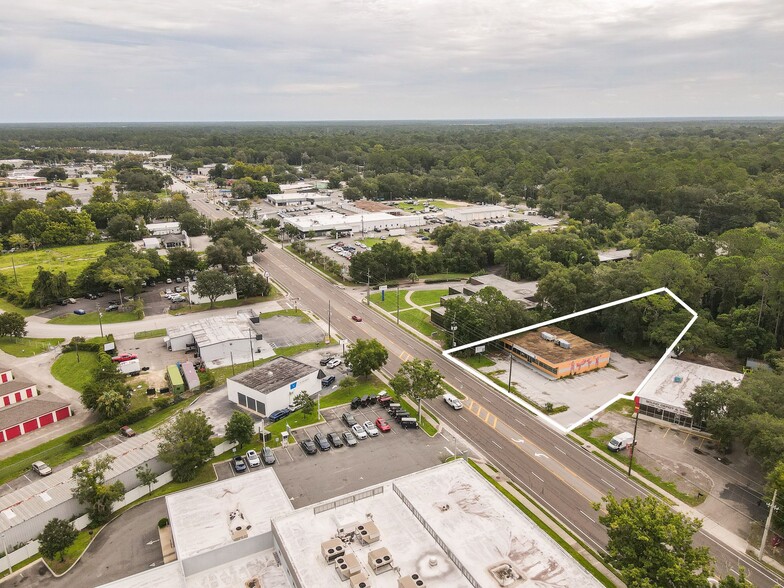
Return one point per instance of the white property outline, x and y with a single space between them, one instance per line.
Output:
448 354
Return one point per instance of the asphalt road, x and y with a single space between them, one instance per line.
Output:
560 474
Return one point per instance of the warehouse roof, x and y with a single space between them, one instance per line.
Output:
13 385
45 493
31 408
212 330
274 374
533 343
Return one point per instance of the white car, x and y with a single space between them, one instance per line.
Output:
359 432
371 429
453 401
253 459
334 362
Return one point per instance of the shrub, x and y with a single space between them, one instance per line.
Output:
164 522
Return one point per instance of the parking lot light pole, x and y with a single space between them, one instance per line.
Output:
100 323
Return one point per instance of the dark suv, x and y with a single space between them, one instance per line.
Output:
321 442
335 439
349 419
328 381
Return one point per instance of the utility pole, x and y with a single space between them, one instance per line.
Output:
767 524
329 320
398 305
509 385
16 280
634 435
100 322
250 343
231 354
368 287
263 435
454 331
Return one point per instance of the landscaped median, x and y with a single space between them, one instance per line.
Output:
92 318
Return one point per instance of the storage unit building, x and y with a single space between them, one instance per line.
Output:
15 391
467 214
190 376
273 385
557 353
5 374
174 378
24 417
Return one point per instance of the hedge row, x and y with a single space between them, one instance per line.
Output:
83 346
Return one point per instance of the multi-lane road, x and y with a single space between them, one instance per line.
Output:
561 475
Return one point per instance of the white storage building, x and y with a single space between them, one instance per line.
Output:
273 385
323 223
467 214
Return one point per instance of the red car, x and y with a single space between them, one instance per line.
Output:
382 425
356 318
124 357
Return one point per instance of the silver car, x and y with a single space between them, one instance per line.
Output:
359 432
371 429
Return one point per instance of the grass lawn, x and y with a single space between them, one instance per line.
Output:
75 373
72 553
478 361
371 241
27 346
72 260
150 334
91 318
286 312
6 306
294 420
390 300
420 321
446 277
426 297
444 204
344 395
224 304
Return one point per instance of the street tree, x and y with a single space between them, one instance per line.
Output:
305 402
366 356
651 544
57 536
12 324
182 261
93 491
185 444
192 223
225 254
239 429
418 380
146 476
250 283
213 284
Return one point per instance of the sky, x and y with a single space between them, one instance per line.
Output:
296 60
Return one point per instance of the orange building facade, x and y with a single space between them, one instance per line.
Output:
557 353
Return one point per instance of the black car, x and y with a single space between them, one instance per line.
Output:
279 414
355 402
349 419
63 303
334 438
91 297
325 360
321 441
239 464
308 447
328 381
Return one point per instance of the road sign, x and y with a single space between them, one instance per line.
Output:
382 288
636 404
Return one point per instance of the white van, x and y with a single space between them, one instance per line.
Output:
620 441
453 401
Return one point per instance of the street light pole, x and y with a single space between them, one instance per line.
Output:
329 321
100 323
250 343
454 331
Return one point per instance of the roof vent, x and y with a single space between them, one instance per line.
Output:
253 583
505 573
563 343
368 532
332 549
359 580
347 566
380 560
238 525
412 581
547 336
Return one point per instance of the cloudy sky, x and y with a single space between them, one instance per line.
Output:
199 60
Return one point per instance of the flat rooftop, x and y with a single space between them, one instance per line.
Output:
371 206
470 518
200 516
520 291
532 342
663 387
212 330
274 374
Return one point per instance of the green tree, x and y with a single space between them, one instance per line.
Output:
305 402
365 356
57 536
250 283
418 380
212 284
185 444
146 477
732 582
48 287
239 428
224 253
651 545
123 228
113 402
182 261
192 223
92 490
12 324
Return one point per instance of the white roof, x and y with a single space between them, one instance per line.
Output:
200 516
296 186
45 493
479 526
663 388
330 219
165 225
212 330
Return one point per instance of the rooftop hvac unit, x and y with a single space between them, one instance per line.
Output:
547 336
332 549
347 566
359 580
380 560
368 532
412 581
563 343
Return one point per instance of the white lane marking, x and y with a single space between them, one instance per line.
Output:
496 444
537 477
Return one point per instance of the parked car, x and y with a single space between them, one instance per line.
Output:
334 439
321 441
253 458
370 428
356 318
268 456
382 425
91 296
126 431
41 468
620 441
279 414
334 362
359 432
328 381
168 280
453 401
384 399
71 300
349 419
80 311
239 463
111 307
124 357
326 360
349 439
355 402
63 303
308 447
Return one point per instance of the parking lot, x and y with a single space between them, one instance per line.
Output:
312 478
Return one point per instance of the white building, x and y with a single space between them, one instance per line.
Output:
194 298
151 243
273 385
297 187
161 229
288 199
219 341
323 223
467 214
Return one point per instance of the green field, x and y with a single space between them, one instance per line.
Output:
420 321
371 241
150 334
390 300
340 396
27 346
478 361
91 318
426 297
72 260
75 370
6 306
